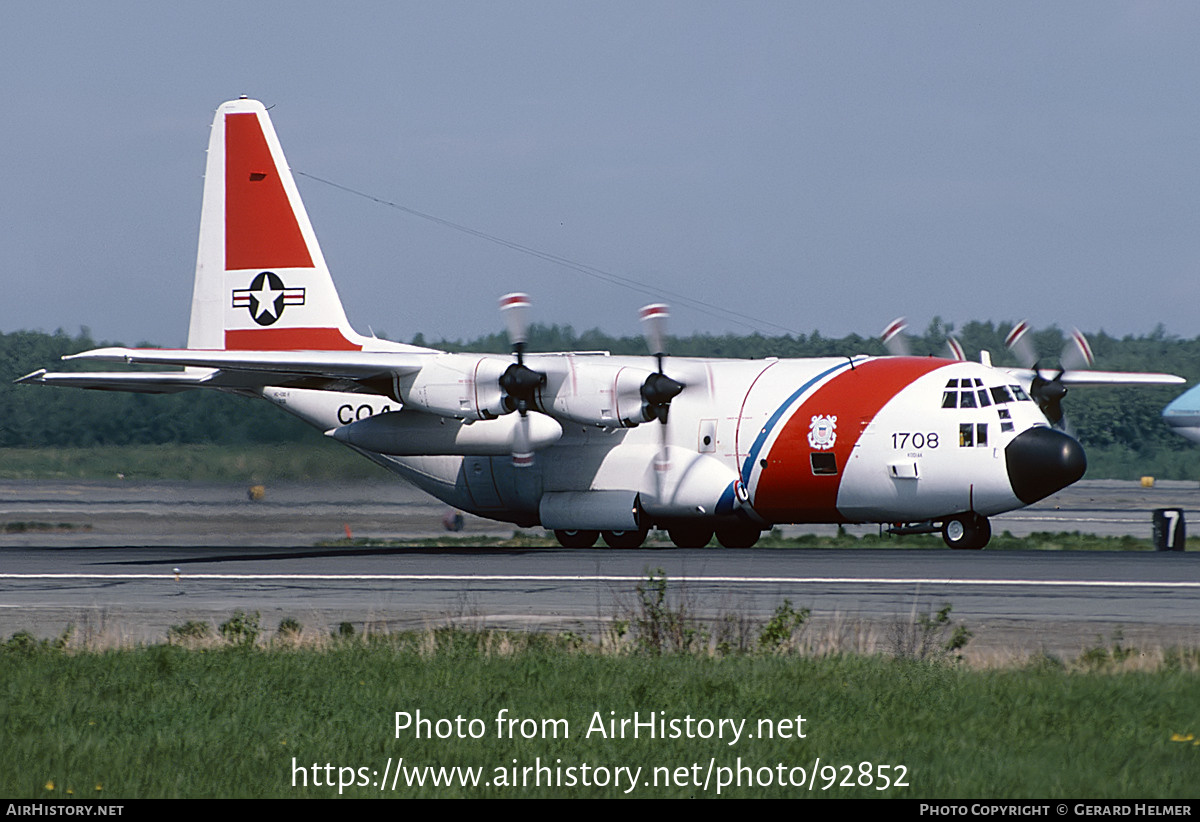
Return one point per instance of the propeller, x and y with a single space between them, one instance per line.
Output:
1047 388
658 390
519 382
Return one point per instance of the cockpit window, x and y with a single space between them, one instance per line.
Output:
1000 395
969 392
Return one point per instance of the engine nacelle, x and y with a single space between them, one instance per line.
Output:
461 386
607 396
693 485
590 510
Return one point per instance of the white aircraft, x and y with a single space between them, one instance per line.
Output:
588 444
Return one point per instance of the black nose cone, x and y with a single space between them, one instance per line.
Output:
1041 461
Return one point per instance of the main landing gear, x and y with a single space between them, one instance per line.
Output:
686 535
969 530
736 535
613 539
576 539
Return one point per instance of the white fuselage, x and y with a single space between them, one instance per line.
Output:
884 439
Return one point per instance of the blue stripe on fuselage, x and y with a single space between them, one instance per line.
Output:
761 439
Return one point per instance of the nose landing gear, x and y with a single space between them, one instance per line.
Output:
969 530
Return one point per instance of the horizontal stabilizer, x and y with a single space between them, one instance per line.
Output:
273 367
145 382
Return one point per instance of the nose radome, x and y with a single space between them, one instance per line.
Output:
1041 461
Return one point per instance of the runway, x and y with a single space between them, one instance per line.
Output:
116 581
130 513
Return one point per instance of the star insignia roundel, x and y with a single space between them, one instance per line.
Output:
266 297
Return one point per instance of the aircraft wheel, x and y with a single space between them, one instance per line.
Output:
690 536
624 539
576 539
742 535
967 531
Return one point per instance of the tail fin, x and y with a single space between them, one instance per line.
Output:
261 280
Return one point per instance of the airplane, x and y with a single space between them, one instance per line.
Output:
1182 414
585 444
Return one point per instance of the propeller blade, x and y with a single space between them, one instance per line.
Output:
956 349
515 308
522 455
1018 342
662 462
654 327
1077 353
893 337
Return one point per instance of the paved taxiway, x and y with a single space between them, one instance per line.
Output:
111 572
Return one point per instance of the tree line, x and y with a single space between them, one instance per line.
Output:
1120 427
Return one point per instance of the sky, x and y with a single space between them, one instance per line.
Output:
761 166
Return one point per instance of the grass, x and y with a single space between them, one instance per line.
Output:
242 711
166 721
26 526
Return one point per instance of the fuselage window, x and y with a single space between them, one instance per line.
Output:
1000 394
823 463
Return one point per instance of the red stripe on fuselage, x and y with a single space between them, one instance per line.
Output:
787 490
288 339
261 230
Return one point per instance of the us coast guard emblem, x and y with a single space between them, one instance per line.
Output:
822 432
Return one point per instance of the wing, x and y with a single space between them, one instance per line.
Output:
1119 378
1089 377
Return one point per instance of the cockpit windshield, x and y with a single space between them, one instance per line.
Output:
970 392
